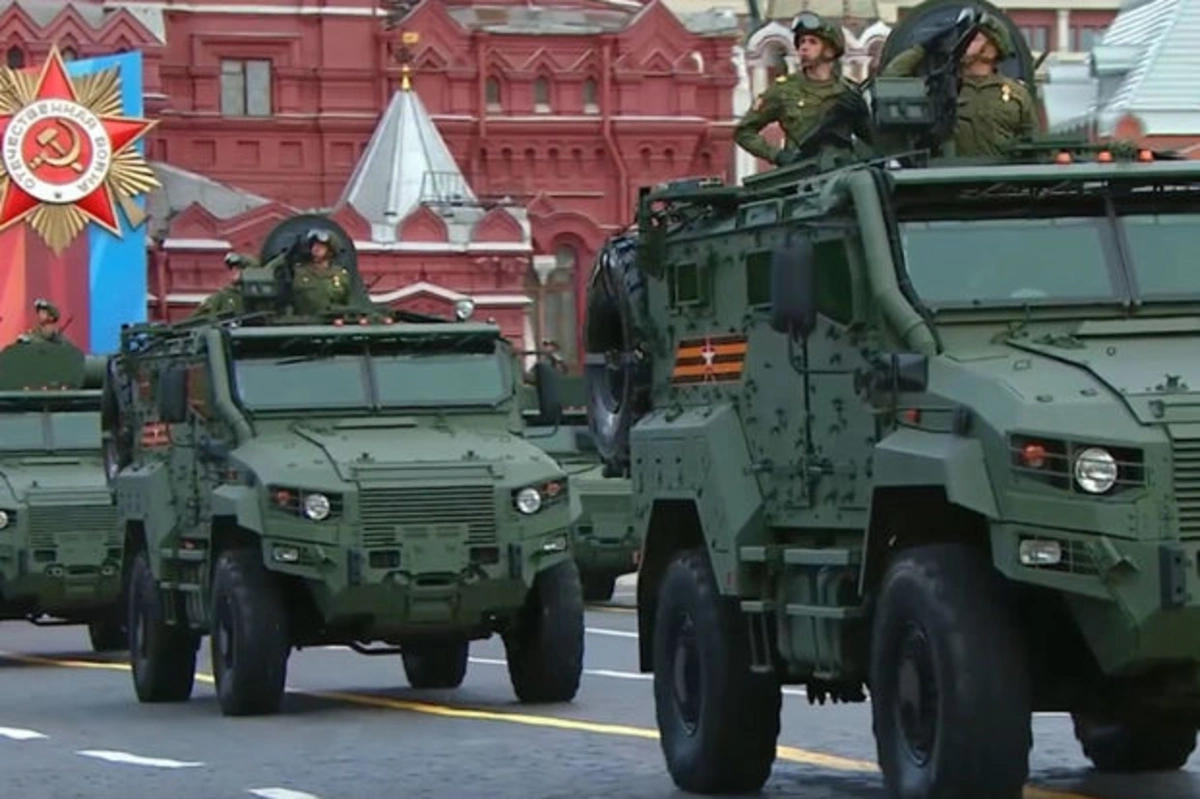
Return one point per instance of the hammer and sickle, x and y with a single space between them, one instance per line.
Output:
67 156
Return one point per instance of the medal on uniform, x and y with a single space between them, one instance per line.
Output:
799 103
1005 93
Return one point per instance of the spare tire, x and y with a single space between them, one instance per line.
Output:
617 364
116 437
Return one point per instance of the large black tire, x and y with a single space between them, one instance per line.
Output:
598 587
116 441
618 345
544 645
107 633
162 657
250 643
435 663
1132 747
718 721
950 689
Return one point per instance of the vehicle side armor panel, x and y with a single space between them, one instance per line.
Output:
700 454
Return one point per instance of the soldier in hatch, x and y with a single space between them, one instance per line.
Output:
993 109
317 283
801 101
46 328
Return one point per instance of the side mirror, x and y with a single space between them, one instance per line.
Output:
910 371
549 397
173 394
898 371
793 287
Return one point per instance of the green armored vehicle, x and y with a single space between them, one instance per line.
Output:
603 539
923 428
353 477
60 554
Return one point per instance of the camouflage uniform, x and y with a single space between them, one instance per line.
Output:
993 110
39 333
315 287
797 102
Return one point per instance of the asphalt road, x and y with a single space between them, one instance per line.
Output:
70 727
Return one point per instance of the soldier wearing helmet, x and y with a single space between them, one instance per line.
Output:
317 283
46 328
801 101
994 110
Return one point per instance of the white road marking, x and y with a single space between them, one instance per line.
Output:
613 633
280 793
17 734
135 760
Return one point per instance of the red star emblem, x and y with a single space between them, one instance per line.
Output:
57 151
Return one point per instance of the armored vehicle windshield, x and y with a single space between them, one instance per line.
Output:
1109 235
415 367
41 422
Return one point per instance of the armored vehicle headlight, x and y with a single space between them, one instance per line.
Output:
529 500
316 506
1095 470
3 519
463 309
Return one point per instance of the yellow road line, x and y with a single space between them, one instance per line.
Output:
790 754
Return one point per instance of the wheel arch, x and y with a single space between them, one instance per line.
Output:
674 526
944 475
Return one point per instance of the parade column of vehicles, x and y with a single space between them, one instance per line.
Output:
352 477
60 556
603 541
925 429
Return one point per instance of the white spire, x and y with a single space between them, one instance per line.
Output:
406 162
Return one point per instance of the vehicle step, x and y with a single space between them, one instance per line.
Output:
802 556
796 556
824 611
186 588
193 555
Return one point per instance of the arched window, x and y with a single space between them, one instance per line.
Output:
554 319
492 94
541 95
68 54
15 57
591 100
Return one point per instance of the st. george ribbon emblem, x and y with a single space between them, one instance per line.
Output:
67 153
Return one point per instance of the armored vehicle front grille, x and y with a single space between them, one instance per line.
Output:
384 510
1186 455
45 521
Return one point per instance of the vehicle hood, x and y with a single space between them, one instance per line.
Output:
53 478
1156 377
306 452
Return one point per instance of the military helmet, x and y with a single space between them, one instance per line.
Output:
45 305
323 235
994 29
807 23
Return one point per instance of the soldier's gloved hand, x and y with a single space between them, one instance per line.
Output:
786 156
851 103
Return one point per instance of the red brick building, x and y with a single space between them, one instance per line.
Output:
551 118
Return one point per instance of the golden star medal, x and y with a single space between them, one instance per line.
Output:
1005 93
68 152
